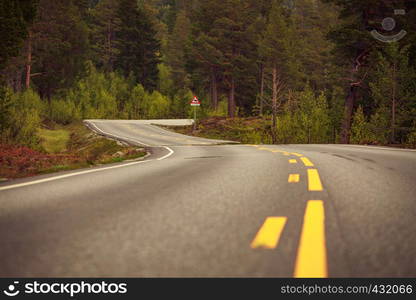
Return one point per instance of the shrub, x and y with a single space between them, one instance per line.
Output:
23 117
411 140
63 111
360 130
155 106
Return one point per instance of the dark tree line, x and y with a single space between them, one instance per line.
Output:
294 62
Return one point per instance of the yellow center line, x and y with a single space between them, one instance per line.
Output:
311 261
293 161
297 154
306 162
286 153
294 178
269 234
314 181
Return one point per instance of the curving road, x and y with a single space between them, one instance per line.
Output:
199 207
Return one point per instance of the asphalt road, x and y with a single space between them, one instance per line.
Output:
204 208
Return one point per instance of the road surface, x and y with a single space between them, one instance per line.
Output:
204 208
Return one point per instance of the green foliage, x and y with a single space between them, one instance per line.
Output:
155 106
140 58
63 112
23 118
392 92
379 127
15 17
133 107
54 141
180 107
166 85
104 26
60 46
6 106
176 50
306 121
412 137
360 131
221 111
130 59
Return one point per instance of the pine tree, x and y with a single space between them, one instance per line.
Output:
277 54
105 24
176 50
392 90
223 49
60 45
139 50
15 18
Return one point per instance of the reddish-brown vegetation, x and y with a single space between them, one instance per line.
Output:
18 161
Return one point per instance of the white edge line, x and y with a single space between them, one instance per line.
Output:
70 175
14 186
167 155
113 135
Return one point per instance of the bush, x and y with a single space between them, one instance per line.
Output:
306 122
63 111
360 129
132 109
155 106
180 107
378 126
21 117
411 140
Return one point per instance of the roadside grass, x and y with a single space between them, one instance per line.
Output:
54 141
64 148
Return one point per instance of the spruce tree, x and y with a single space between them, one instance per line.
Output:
176 50
15 18
139 50
105 24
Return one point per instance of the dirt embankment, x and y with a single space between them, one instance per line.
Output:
63 148
244 130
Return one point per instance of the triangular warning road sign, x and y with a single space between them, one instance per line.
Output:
195 102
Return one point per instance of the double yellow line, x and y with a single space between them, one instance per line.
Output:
311 259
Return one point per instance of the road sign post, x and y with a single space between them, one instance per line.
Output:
194 118
195 103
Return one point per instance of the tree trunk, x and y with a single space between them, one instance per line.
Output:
231 99
348 112
351 97
261 89
274 105
393 107
214 90
29 61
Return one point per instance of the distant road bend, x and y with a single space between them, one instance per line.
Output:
208 208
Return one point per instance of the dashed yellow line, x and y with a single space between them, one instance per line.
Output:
297 154
293 161
306 162
314 181
269 234
294 178
311 261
